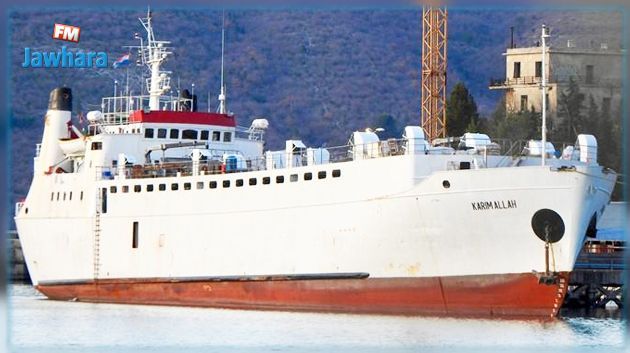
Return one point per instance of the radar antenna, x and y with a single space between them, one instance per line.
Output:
222 109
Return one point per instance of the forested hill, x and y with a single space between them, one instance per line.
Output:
315 75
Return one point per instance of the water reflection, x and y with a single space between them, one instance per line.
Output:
40 324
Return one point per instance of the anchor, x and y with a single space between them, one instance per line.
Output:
549 227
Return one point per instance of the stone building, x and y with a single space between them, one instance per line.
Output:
596 70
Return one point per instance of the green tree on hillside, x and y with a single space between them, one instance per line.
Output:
570 113
516 125
461 111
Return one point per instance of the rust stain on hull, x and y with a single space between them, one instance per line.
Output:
507 295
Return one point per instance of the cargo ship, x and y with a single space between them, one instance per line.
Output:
159 203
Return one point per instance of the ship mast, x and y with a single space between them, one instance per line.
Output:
543 37
153 55
222 109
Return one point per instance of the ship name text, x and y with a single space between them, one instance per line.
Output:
493 205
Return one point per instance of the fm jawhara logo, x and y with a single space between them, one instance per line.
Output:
64 58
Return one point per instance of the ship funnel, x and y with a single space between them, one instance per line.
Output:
60 99
55 128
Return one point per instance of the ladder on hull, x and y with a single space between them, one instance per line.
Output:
97 234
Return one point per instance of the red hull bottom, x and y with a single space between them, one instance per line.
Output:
506 295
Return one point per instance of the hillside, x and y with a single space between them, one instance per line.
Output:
315 75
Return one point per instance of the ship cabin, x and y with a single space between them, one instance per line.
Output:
160 139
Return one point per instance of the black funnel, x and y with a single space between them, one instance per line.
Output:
60 99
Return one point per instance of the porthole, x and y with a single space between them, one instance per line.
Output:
213 185
266 180
162 187
336 173
308 176
239 182
446 184
187 186
226 183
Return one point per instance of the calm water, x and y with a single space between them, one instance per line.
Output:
41 325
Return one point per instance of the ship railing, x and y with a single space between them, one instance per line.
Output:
249 133
116 110
213 162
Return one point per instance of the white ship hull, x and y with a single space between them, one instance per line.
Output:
369 221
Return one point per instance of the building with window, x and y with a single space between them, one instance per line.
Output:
596 70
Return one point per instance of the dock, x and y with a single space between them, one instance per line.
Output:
18 272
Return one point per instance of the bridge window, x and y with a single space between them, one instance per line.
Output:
96 146
216 135
112 189
189 134
148 133
227 137
161 133
204 135
174 134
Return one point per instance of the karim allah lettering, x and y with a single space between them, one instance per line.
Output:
64 58
493 205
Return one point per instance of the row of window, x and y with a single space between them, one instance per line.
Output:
589 77
336 173
59 196
188 134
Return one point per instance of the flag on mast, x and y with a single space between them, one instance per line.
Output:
122 61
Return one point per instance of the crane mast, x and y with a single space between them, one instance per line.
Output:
434 46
